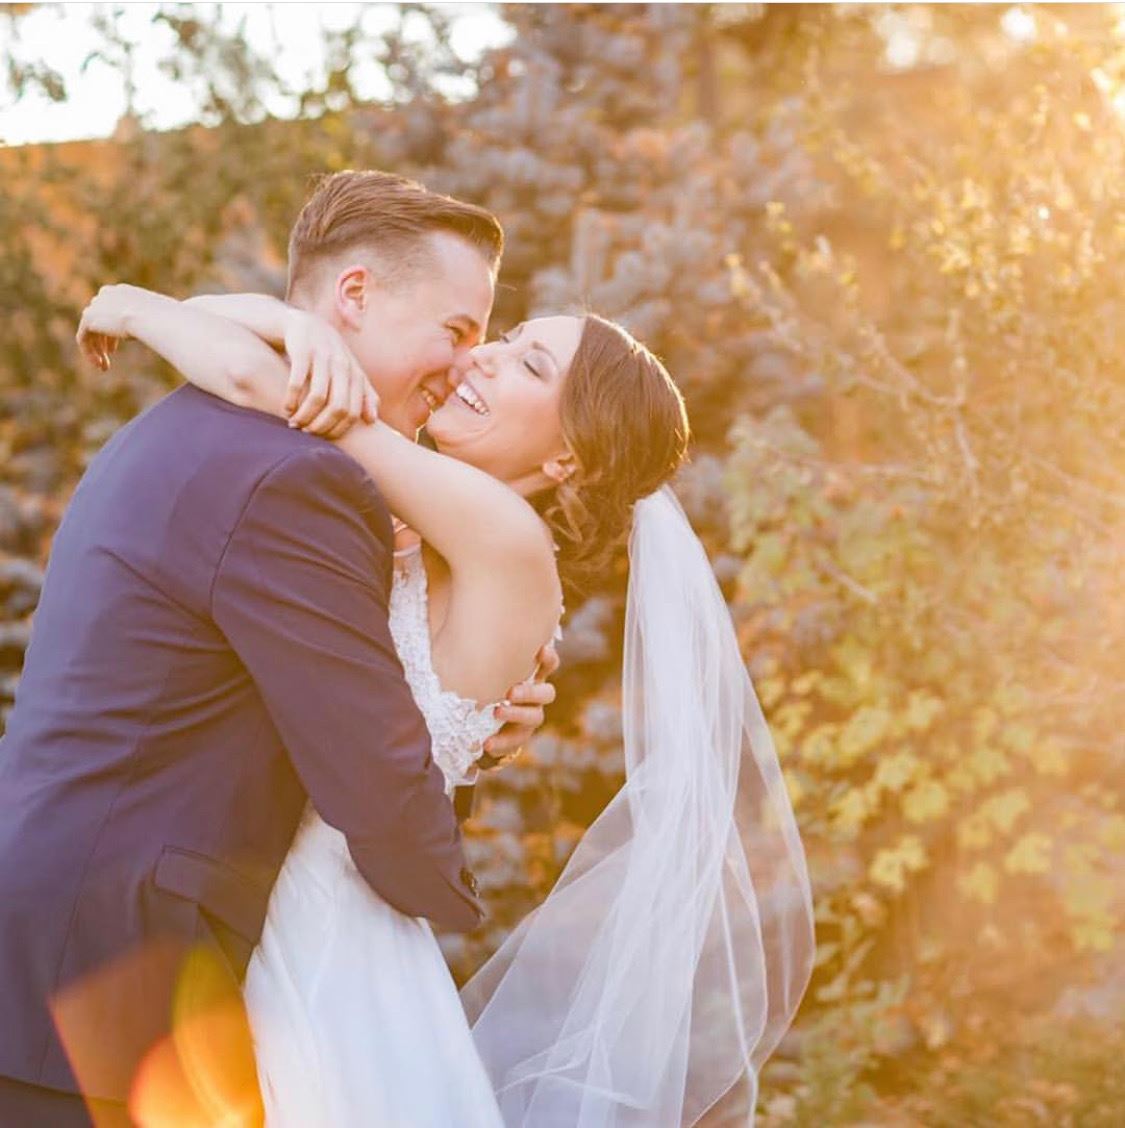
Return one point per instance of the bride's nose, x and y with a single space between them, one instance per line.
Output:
482 358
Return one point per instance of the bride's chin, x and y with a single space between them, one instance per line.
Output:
439 426
451 425
460 443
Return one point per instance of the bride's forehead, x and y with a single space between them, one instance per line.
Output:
562 330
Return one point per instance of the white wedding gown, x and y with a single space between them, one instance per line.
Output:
355 1016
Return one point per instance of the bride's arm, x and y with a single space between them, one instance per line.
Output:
264 316
505 596
225 353
271 320
317 355
212 352
505 588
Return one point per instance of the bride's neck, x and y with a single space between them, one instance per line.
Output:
529 485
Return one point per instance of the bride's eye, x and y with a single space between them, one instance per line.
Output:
533 370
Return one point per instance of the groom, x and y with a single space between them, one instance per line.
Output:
211 650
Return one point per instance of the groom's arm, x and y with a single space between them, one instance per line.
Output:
301 594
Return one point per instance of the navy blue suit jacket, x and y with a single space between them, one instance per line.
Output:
211 649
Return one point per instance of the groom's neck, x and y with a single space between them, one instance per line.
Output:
319 304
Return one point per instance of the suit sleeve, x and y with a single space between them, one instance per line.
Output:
301 594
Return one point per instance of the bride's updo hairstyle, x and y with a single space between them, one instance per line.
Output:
624 421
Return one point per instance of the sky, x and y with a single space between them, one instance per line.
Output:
62 36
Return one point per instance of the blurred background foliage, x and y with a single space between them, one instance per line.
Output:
882 250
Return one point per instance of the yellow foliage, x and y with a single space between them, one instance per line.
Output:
980 883
1081 858
897 770
1093 937
790 717
890 866
806 683
820 746
1018 736
793 786
926 801
852 809
928 709
1006 807
855 661
988 763
921 710
1030 854
997 813
1111 834
1047 758
783 744
770 690
985 722
1068 820
863 731
974 832
961 779
1088 899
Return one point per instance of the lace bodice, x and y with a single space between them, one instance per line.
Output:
458 728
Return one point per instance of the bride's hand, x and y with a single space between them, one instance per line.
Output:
328 392
105 322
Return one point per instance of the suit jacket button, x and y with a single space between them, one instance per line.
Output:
470 881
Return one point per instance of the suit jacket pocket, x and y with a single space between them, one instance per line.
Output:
232 898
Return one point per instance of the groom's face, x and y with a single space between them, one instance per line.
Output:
410 334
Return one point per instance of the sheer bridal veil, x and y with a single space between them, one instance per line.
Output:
672 953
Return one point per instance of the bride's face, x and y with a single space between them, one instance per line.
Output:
503 414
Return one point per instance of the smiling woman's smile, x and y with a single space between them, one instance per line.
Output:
467 394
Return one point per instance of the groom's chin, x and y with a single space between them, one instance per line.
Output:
406 419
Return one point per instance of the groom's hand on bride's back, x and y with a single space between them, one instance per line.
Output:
522 712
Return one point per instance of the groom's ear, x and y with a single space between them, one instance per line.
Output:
353 291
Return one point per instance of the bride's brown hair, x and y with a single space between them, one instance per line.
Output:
624 421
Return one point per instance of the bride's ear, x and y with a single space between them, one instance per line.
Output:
560 468
353 290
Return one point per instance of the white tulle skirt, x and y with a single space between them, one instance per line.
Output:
355 1016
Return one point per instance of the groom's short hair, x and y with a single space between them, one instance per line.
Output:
387 216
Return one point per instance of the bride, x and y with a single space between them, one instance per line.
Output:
674 949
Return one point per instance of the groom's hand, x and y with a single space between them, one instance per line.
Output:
522 713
